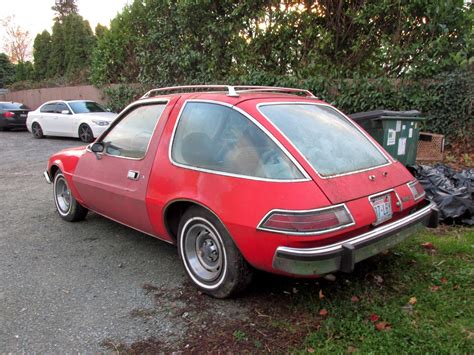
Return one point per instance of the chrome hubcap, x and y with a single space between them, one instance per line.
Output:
203 252
63 195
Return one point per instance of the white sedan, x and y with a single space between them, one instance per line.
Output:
73 118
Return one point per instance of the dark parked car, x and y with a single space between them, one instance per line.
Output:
13 115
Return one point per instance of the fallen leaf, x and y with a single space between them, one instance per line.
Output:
351 349
427 245
354 299
378 279
443 280
310 350
434 288
321 295
374 318
383 326
456 287
412 300
323 312
330 277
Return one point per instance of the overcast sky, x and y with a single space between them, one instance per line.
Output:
36 15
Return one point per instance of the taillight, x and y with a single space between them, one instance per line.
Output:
416 189
8 114
307 222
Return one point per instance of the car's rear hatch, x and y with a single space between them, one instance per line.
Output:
341 159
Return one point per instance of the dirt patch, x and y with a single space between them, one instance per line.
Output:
269 317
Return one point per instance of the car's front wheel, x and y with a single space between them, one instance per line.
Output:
210 256
85 133
66 205
37 130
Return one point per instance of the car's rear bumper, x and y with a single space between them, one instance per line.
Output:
343 255
12 123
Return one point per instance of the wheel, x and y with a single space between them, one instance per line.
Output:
66 205
85 133
210 257
37 130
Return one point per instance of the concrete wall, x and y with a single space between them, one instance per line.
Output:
35 97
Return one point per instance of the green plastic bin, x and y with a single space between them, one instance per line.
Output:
397 131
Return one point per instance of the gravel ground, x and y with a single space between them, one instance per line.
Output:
70 287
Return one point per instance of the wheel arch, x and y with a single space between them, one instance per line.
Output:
174 210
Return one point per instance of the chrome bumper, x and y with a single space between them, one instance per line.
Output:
47 177
343 255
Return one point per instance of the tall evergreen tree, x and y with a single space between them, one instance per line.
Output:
56 65
64 8
78 44
7 71
42 54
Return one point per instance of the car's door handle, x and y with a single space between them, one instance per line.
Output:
133 175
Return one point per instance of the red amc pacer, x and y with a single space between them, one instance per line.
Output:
244 177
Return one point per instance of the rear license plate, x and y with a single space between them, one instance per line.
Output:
382 206
23 115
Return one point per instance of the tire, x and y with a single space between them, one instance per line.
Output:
85 133
68 208
210 257
37 130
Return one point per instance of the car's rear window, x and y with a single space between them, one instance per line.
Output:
328 140
13 106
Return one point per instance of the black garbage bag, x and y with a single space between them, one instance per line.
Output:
451 190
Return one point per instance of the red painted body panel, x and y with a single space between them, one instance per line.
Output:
239 203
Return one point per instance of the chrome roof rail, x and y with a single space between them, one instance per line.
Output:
231 90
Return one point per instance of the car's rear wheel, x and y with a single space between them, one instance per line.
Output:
66 205
37 130
85 133
210 256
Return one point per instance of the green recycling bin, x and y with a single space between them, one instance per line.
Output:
397 131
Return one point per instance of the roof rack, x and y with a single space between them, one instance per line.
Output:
232 91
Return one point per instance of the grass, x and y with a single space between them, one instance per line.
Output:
422 296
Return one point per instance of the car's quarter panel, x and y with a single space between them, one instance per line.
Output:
105 184
240 203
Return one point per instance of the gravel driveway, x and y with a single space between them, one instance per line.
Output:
98 286
69 286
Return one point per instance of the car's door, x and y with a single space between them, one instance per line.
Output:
64 122
47 116
114 183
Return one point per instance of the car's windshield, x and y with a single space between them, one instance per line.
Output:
85 106
13 106
329 141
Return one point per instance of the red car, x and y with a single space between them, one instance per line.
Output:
242 178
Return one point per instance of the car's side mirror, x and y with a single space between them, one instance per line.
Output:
65 112
97 149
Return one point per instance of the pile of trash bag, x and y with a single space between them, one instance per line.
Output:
451 190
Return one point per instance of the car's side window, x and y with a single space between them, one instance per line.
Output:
219 138
48 108
60 107
130 137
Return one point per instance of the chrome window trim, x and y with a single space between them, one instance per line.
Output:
217 172
119 118
268 214
413 183
389 159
